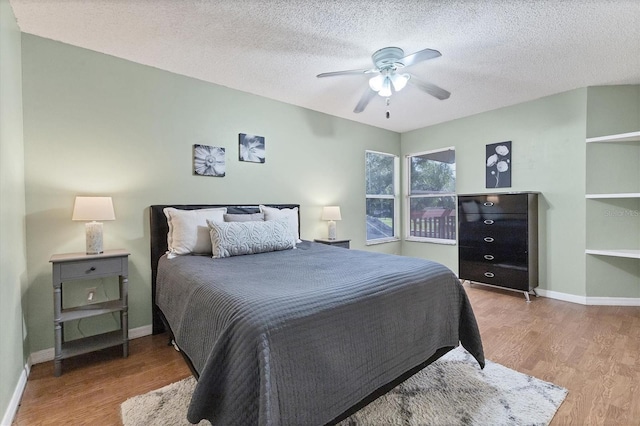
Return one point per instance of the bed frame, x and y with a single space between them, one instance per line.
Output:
158 239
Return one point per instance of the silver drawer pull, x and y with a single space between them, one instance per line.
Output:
488 222
488 257
488 203
489 274
488 239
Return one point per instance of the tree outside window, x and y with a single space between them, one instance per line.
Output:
431 199
381 178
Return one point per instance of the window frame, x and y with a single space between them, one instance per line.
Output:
395 197
409 197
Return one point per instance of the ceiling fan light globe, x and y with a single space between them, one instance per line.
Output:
399 81
376 82
386 88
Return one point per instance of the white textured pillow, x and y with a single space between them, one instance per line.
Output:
247 217
291 215
188 229
238 238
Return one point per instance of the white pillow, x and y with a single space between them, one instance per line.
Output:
238 238
273 213
188 230
247 217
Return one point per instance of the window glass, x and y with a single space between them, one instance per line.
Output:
431 200
381 180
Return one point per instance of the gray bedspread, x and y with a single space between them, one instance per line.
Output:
297 337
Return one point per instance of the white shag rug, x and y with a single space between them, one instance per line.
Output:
451 391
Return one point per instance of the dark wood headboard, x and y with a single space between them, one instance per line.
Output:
158 239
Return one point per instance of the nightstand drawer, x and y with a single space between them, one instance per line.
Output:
90 268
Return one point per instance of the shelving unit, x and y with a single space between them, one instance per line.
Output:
622 252
631 254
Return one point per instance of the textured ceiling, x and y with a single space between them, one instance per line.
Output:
494 53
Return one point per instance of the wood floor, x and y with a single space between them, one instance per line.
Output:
594 351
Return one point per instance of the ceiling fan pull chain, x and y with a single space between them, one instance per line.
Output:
388 111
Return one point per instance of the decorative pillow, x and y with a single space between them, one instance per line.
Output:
238 238
188 230
250 217
273 213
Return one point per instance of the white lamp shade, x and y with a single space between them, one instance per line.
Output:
93 208
331 213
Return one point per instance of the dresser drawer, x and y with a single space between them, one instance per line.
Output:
516 257
494 205
90 268
503 275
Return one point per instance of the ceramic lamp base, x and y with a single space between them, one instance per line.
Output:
94 237
332 229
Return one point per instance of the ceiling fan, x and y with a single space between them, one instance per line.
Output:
387 74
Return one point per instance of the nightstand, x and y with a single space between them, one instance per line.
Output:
81 266
336 243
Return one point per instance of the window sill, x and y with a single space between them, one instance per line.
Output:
431 240
382 241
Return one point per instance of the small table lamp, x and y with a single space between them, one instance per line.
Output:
331 213
93 209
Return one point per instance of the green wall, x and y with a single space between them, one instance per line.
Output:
13 265
99 125
548 146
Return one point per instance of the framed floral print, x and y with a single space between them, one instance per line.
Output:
498 165
208 160
251 148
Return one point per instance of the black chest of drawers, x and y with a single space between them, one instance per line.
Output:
498 240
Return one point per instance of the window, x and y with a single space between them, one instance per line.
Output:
431 197
381 175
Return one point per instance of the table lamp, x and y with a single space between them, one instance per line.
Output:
331 213
93 209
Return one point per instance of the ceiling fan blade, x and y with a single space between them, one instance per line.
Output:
431 89
364 100
420 56
348 72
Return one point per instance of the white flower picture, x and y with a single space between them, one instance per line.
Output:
252 148
498 165
208 160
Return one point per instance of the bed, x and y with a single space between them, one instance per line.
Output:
304 335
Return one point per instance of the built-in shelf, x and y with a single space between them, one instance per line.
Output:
614 195
621 137
632 254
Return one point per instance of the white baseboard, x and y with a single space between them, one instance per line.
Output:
585 300
14 403
44 356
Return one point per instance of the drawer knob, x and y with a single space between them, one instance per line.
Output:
488 203
489 274
93 268
488 222
488 239
488 257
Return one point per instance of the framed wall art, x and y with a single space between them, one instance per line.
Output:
251 148
209 160
498 165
